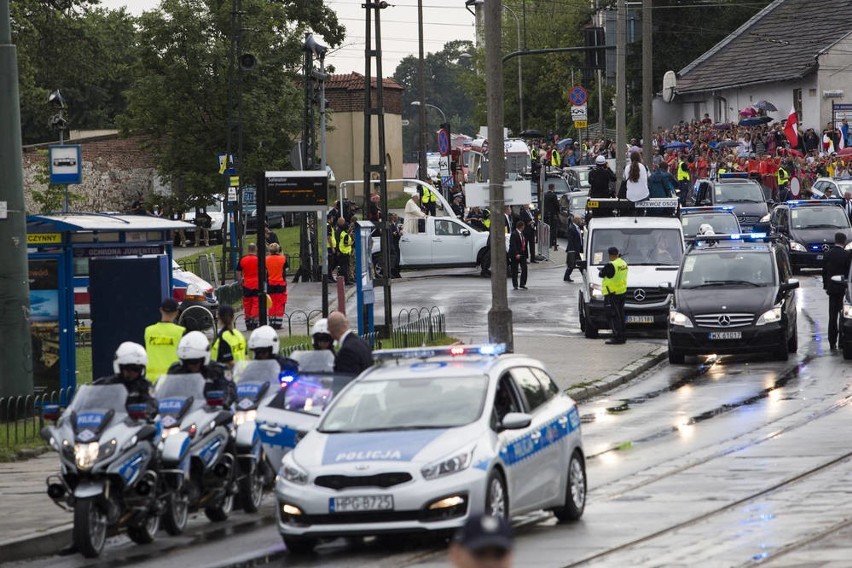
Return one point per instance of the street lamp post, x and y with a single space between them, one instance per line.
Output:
520 72
443 116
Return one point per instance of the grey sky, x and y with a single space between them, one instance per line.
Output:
444 20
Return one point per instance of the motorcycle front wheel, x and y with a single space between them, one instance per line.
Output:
90 527
176 513
251 490
145 531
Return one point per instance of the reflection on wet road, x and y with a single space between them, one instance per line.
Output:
726 461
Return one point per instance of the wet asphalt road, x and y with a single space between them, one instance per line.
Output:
721 462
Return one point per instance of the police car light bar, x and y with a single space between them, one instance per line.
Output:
733 175
488 349
732 237
716 208
801 202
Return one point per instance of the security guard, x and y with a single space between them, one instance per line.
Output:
331 246
783 177
427 198
229 347
614 285
161 340
555 158
344 250
683 179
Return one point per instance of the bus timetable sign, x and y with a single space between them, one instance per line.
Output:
292 191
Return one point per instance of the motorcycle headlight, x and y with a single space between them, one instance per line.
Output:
243 416
847 311
169 431
293 473
86 454
770 316
677 318
455 464
597 292
798 247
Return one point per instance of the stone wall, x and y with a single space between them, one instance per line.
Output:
116 171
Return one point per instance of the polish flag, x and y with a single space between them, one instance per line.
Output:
790 129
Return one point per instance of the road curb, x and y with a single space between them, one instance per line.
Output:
43 543
626 374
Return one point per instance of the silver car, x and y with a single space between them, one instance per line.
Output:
428 437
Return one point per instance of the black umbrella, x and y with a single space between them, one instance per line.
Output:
765 106
531 134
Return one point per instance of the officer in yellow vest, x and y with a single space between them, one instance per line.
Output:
161 340
614 286
344 250
555 158
229 347
683 180
783 178
427 198
331 246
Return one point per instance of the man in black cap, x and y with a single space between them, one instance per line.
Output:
483 542
614 287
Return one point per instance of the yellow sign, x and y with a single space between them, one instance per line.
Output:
592 204
44 239
581 124
234 181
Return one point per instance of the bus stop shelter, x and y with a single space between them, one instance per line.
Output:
119 264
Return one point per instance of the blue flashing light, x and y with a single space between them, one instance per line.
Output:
707 208
734 175
801 202
488 349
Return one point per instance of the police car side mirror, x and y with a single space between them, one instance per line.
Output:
836 278
465 232
792 284
515 421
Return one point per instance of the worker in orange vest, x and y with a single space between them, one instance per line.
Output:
276 264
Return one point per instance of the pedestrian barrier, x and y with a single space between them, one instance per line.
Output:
428 326
21 417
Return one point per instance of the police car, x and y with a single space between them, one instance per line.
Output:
746 196
427 438
808 227
721 219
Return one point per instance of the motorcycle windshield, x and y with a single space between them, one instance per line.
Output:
174 390
99 399
254 378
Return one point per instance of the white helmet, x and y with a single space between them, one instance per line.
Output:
600 160
264 337
194 345
129 353
321 326
706 229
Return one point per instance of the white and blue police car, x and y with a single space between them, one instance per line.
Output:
428 437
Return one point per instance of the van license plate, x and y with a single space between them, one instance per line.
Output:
726 335
640 319
360 503
819 257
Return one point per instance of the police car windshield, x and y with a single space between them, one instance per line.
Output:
722 223
654 247
830 217
310 394
407 404
738 193
725 268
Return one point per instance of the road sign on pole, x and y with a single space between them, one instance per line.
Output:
443 142
577 95
581 124
579 112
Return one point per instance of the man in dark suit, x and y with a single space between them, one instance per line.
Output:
518 255
836 263
574 246
528 218
551 213
847 204
354 354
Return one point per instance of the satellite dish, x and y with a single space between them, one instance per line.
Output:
669 85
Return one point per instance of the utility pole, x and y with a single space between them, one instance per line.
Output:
500 316
16 347
620 86
421 95
647 78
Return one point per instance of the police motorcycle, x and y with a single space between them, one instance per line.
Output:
109 476
198 465
257 383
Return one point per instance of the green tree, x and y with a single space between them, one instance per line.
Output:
178 100
71 45
445 71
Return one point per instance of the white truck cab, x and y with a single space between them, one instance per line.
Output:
649 238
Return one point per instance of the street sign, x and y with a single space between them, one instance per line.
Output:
66 164
578 95
232 194
405 122
443 142
579 112
249 196
223 164
444 166
293 191
581 124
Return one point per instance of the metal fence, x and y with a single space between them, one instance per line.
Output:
422 326
21 417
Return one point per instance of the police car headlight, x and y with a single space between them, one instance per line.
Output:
597 292
798 247
243 416
455 464
291 472
770 316
847 311
765 218
677 318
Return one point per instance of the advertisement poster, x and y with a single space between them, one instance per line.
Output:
44 318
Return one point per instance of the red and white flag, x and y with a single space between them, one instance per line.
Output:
790 129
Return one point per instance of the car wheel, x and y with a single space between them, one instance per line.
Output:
782 354
575 491
793 342
299 545
590 331
676 357
496 499
847 351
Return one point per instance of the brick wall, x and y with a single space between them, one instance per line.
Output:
115 172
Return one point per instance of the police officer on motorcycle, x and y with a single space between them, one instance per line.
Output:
129 366
264 344
194 354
